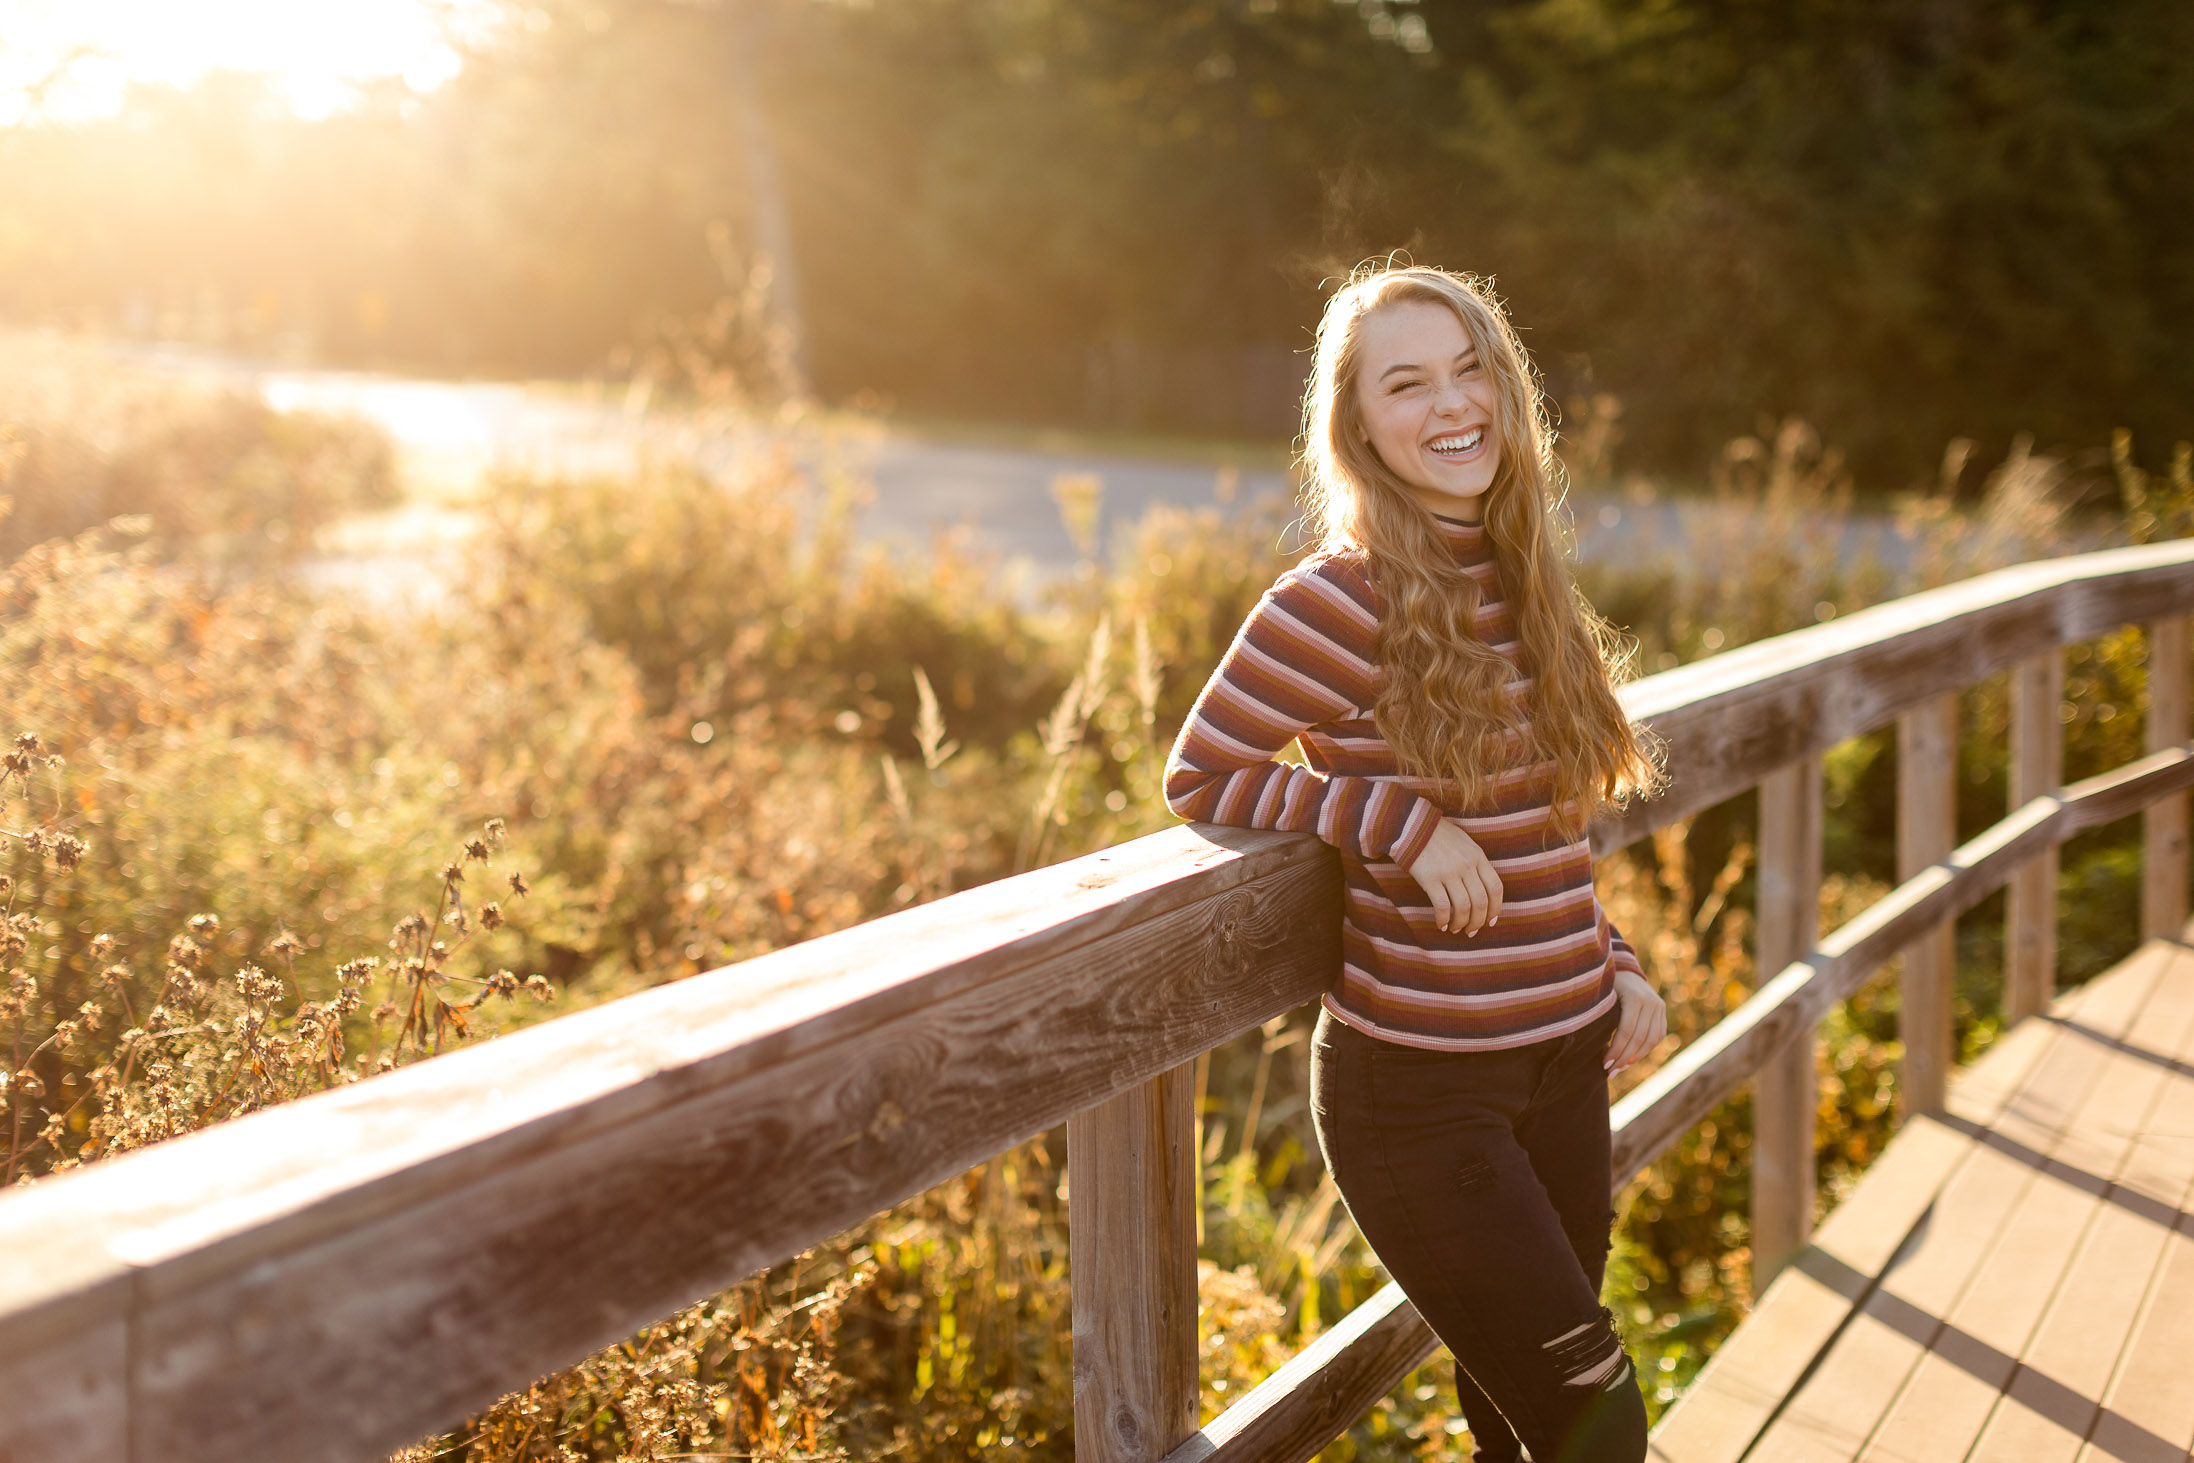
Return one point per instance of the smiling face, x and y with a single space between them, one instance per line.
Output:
1428 406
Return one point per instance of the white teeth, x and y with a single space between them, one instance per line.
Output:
1450 446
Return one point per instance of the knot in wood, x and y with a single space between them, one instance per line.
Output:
1227 949
1128 1431
875 1101
889 1118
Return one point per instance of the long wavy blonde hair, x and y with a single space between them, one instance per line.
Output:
1445 706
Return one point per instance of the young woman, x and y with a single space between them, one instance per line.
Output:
1454 699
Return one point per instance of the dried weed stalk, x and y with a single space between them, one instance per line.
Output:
211 1043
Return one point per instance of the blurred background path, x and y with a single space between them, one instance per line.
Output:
914 482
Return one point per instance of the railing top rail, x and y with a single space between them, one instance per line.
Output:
474 1221
1732 718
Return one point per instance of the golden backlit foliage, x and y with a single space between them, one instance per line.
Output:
705 724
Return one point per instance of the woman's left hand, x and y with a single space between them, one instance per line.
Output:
1642 1024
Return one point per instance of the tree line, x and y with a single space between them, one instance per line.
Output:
1906 222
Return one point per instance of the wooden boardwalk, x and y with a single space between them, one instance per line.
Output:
2012 1281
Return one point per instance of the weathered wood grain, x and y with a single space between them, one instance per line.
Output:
2109 796
2037 770
1294 1413
64 1395
1131 1240
336 1278
1927 826
2164 822
1785 1092
1732 718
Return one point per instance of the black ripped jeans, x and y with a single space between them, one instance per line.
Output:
1481 1179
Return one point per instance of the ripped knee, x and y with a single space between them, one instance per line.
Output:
1590 1355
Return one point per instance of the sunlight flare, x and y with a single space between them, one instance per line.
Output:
76 59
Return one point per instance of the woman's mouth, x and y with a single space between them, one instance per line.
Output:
1455 446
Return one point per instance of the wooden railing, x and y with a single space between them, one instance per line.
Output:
334 1279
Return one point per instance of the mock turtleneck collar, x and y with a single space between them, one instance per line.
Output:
1467 540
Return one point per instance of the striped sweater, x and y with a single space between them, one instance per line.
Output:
1301 669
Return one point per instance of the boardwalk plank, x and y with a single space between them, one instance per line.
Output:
1726 1406
2055 1398
2148 1414
2053 1402
1839 1406
1729 1401
1836 1410
1971 1358
2060 1258
2148 1409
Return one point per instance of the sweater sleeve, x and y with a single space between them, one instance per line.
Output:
1285 673
1620 955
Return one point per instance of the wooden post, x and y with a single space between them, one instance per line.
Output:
2037 770
1785 1094
2164 824
1131 1248
1927 808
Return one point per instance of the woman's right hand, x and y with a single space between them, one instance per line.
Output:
1459 878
